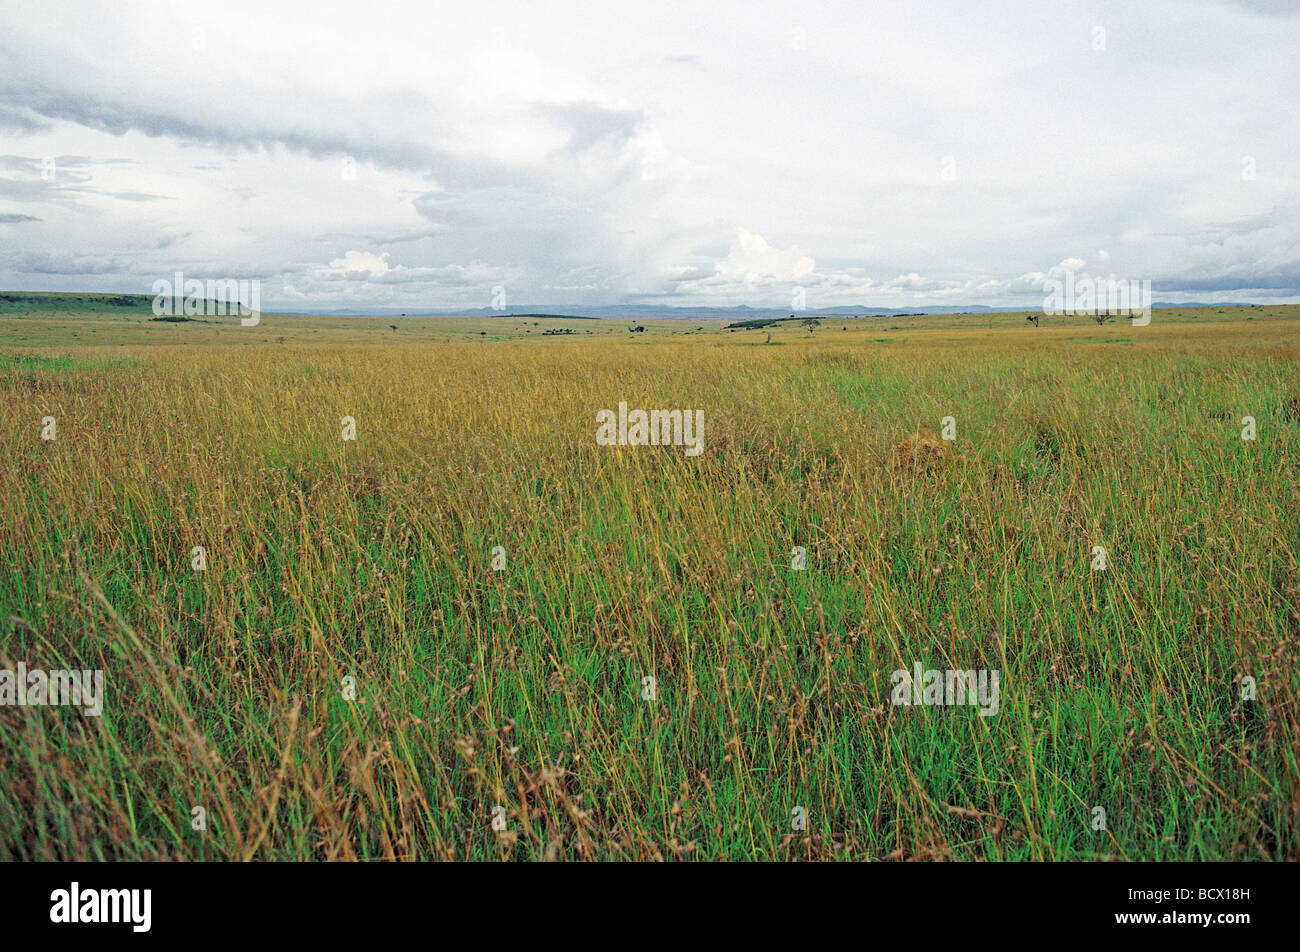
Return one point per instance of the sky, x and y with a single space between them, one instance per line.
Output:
436 155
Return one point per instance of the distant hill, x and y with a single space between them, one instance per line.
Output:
29 301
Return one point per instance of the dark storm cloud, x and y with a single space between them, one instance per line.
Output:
19 121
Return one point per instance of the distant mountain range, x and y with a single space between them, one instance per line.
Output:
739 312
91 301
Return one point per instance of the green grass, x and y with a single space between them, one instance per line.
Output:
522 688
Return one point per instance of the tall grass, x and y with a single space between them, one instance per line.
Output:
522 688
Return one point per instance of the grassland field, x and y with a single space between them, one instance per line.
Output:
518 695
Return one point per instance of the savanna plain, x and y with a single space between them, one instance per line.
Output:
349 677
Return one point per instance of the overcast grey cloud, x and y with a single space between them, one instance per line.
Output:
886 154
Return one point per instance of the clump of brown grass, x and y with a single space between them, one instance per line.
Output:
920 452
